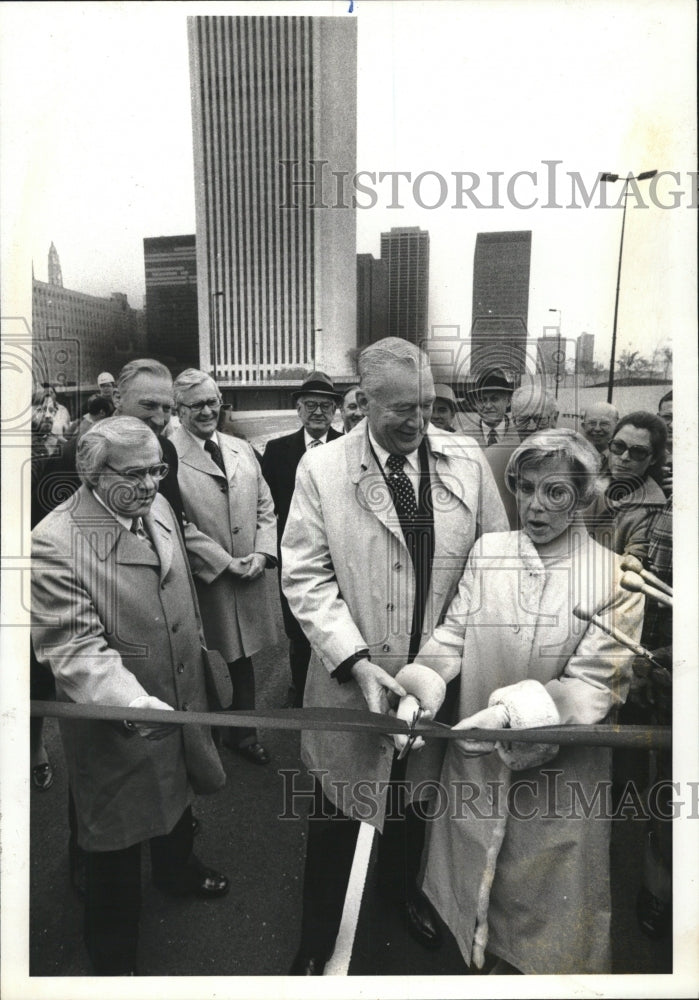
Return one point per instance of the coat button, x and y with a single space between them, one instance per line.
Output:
234 531
180 669
175 627
386 648
390 607
396 565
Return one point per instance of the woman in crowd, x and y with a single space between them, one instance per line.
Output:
516 862
621 514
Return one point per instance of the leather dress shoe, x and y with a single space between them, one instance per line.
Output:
306 965
42 776
253 752
196 880
422 922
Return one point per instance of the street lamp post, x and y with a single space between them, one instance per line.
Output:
610 179
214 337
558 347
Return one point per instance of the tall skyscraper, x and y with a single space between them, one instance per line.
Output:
585 352
55 273
171 299
406 251
372 299
274 111
500 301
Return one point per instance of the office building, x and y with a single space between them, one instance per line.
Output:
172 321
406 252
76 336
274 109
372 299
585 352
500 301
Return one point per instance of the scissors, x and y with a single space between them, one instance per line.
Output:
417 715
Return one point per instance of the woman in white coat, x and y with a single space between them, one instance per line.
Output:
518 853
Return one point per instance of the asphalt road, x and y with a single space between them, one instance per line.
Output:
253 931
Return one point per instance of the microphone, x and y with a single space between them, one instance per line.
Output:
634 565
635 583
624 640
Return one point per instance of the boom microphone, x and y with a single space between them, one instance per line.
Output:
635 565
620 637
635 582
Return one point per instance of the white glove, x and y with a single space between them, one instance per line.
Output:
407 707
495 717
151 730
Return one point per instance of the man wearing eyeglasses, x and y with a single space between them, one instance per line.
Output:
316 402
115 617
597 423
225 495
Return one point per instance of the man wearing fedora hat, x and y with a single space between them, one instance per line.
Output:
316 402
492 398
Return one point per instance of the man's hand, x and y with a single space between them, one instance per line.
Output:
374 682
151 730
495 717
253 565
237 568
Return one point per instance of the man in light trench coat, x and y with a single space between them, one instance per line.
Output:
115 616
380 526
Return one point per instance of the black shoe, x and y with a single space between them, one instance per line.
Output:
307 965
196 880
654 916
253 752
42 776
422 921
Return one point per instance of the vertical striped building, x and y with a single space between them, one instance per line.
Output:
406 251
274 115
501 301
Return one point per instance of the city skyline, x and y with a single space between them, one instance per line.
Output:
637 116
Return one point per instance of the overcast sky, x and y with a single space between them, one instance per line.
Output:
96 99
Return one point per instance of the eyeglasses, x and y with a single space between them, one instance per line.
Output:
158 471
312 405
636 452
212 404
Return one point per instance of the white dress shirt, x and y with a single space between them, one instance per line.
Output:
411 467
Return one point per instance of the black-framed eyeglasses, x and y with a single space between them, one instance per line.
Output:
637 453
315 404
158 471
213 404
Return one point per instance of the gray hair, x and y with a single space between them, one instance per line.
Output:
545 402
382 357
608 408
94 447
189 378
141 366
566 446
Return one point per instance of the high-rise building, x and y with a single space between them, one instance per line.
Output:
55 273
500 301
406 251
372 299
585 352
551 357
171 299
76 336
274 110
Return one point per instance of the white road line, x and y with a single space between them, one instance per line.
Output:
338 964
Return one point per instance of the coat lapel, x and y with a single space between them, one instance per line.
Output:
229 450
104 533
161 536
372 491
191 454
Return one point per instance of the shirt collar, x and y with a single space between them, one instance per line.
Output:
412 459
500 429
307 439
125 522
202 441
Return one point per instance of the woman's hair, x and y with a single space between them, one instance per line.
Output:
566 446
646 421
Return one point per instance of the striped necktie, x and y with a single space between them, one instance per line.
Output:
315 443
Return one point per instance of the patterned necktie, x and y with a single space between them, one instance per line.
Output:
403 491
315 443
492 436
213 449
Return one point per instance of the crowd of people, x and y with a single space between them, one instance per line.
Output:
431 564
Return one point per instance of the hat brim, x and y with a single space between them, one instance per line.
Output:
316 392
